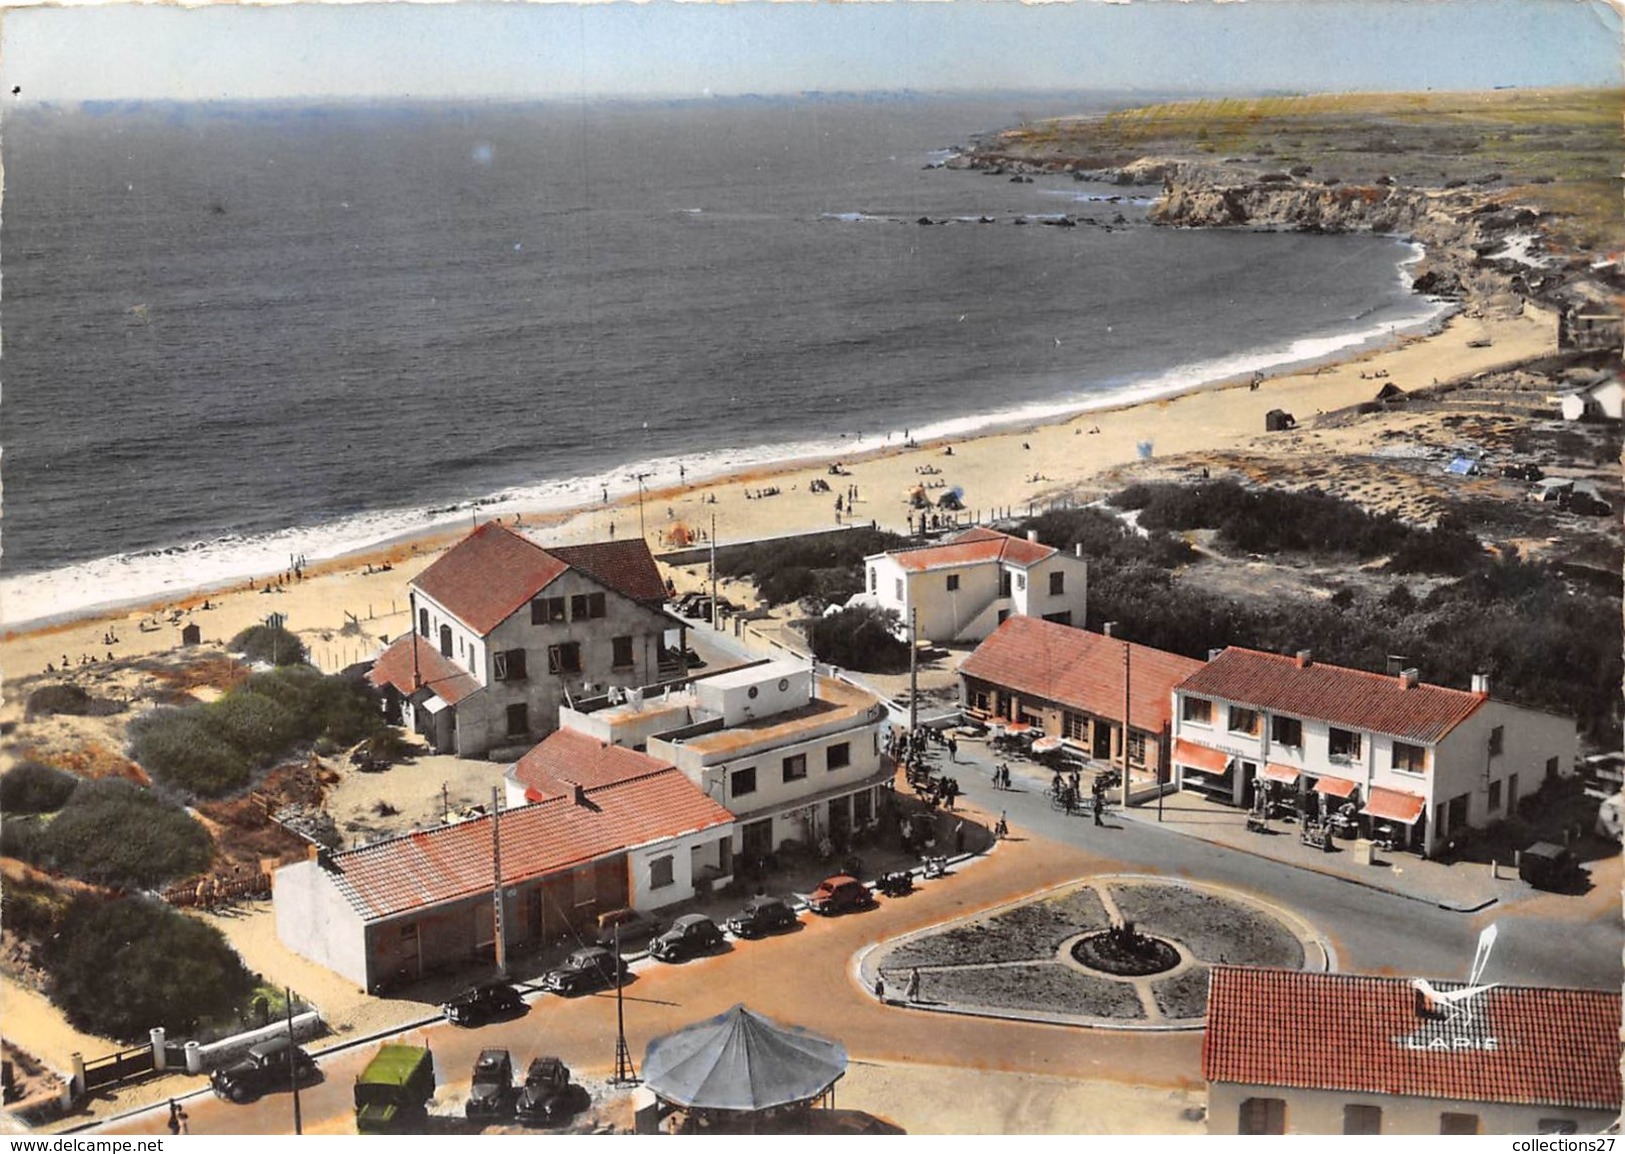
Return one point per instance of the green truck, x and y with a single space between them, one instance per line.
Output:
394 1090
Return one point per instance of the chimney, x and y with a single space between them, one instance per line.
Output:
1077 549
1409 678
578 792
1108 627
1306 658
1032 535
1481 683
1213 653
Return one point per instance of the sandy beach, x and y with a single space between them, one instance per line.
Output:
343 612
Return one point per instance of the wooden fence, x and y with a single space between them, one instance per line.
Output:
215 891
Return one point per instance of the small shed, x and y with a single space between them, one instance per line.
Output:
1390 393
191 634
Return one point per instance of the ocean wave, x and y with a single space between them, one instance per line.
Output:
31 599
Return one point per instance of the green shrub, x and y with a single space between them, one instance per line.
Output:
827 569
265 643
113 832
33 909
120 968
214 749
30 787
862 638
70 700
19 837
179 748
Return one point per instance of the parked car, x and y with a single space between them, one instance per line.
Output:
592 968
549 1097
483 1003
839 894
392 1094
637 928
263 1069
1523 472
762 915
492 1094
1549 867
689 935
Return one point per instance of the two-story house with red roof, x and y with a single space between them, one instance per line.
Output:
962 588
1427 761
1287 1052
503 629
1071 683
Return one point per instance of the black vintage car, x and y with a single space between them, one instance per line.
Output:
549 1097
492 1093
592 968
689 935
483 1003
264 1068
765 914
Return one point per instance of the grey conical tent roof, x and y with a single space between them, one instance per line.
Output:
740 1060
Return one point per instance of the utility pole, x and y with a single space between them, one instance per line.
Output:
913 670
293 1069
713 570
624 1071
1126 651
496 881
642 532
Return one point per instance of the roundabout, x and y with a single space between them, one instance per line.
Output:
1118 951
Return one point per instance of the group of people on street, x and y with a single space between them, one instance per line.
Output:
1001 776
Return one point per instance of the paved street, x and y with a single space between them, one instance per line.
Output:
808 977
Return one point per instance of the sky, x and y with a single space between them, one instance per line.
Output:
663 48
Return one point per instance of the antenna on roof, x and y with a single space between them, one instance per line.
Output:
1454 1004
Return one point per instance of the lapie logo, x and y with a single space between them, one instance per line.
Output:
1448 1044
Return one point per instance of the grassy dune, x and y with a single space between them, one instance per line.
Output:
1559 149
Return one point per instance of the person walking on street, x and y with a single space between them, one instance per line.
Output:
1100 804
912 991
1002 829
953 750
174 1117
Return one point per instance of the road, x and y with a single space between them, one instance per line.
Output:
805 977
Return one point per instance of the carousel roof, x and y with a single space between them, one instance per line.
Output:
741 1061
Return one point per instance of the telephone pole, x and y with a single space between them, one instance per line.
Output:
293 1068
913 670
1126 651
496 881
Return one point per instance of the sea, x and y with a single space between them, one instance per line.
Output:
239 333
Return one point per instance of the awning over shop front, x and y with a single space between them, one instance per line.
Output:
1394 805
1283 773
1046 744
1200 757
1336 786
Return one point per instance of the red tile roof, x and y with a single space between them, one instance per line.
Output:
1351 698
624 566
1080 670
490 574
972 546
434 672
1360 1034
569 758
449 862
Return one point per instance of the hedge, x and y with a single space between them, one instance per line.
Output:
114 833
30 787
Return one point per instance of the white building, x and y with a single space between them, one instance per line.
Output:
792 755
1601 399
504 629
391 912
1432 760
1287 1052
963 588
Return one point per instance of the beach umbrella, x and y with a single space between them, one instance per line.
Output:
741 1061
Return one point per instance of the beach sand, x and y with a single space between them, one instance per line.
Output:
344 613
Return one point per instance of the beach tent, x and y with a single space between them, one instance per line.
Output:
741 1062
1463 466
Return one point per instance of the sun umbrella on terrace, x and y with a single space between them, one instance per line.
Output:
741 1062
